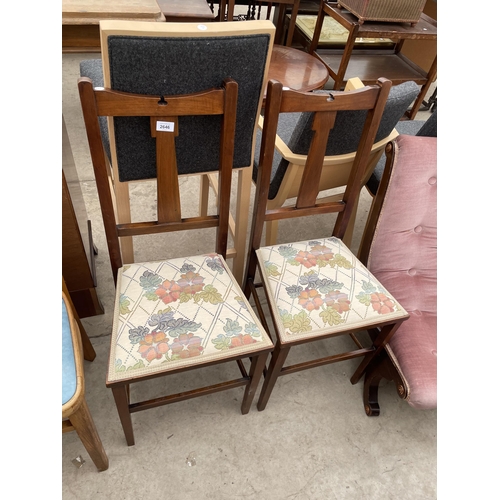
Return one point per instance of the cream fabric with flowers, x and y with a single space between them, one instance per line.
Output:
320 287
179 312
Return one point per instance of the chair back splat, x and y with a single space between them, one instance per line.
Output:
293 141
318 289
184 313
164 59
163 113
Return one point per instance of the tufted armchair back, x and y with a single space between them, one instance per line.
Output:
403 256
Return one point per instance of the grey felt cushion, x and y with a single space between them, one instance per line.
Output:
170 66
425 128
295 130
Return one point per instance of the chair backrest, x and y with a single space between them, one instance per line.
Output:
163 114
181 58
325 108
345 135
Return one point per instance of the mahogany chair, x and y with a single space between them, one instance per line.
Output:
292 143
318 289
180 58
76 415
182 313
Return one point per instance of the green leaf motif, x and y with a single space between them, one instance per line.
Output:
287 252
241 302
139 364
221 342
327 285
185 297
118 366
286 318
232 327
301 323
271 269
150 281
124 303
368 287
151 296
210 294
252 329
364 298
331 316
340 261
176 327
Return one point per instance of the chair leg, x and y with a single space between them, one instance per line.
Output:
370 391
380 341
278 358
121 395
83 424
256 370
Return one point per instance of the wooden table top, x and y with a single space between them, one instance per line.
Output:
297 69
92 11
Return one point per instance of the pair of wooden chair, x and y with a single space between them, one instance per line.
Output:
189 313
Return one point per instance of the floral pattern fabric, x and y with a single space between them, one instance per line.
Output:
179 312
319 287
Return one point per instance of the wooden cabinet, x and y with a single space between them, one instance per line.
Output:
78 266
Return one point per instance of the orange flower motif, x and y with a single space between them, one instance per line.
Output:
149 351
310 299
191 283
338 301
321 252
307 259
168 291
381 303
240 340
187 345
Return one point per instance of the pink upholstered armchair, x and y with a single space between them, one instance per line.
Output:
400 248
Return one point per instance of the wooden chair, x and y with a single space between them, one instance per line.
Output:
76 415
183 313
178 58
292 143
318 289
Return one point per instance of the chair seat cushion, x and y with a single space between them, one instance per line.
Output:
319 287
180 313
68 359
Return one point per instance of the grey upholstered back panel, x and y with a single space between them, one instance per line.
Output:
171 65
296 131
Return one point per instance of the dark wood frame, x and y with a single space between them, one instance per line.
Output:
217 101
386 366
372 99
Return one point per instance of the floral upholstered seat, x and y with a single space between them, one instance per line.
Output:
320 285
179 312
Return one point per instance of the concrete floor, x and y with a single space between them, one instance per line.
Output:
313 441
